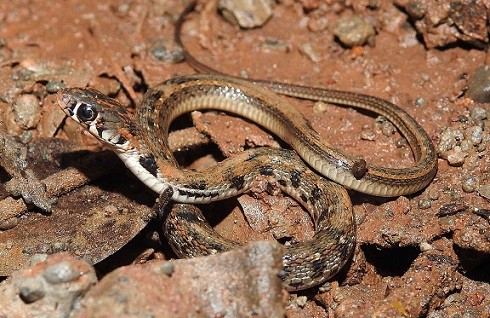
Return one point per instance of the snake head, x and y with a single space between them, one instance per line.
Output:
102 116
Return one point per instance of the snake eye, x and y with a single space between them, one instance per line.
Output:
86 112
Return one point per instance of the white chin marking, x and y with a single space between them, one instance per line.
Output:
130 158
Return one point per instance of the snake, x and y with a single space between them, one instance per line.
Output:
314 173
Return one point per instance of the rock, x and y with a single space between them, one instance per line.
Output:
310 51
469 184
449 139
167 52
354 31
52 117
478 113
54 86
105 85
456 156
386 127
240 283
484 191
27 111
444 22
474 135
421 289
53 285
398 224
248 13
479 85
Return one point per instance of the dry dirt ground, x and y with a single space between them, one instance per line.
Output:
426 254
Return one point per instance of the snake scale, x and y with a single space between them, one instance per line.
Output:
141 141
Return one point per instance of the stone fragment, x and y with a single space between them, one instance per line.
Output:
248 13
354 31
27 111
479 85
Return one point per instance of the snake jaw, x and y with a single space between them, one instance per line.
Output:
102 116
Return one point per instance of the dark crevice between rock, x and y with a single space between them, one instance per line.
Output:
481 272
133 250
391 262
473 264
4 177
142 86
216 212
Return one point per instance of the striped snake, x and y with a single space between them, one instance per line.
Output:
141 141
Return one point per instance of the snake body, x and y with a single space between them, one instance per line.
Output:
141 141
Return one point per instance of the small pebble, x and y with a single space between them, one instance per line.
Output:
319 107
318 24
420 101
167 268
354 31
434 194
479 85
368 134
162 53
31 289
466 145
469 184
387 128
110 210
401 143
22 75
424 247
58 247
301 301
4 97
60 273
270 44
325 288
424 204
26 137
27 111
456 156
54 86
9 223
478 113
449 139
246 13
308 50
475 135
484 191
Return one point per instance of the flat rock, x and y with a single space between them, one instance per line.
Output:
240 283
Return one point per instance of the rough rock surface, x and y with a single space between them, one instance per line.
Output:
241 283
51 286
441 23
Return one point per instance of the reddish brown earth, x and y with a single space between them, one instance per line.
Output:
426 254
